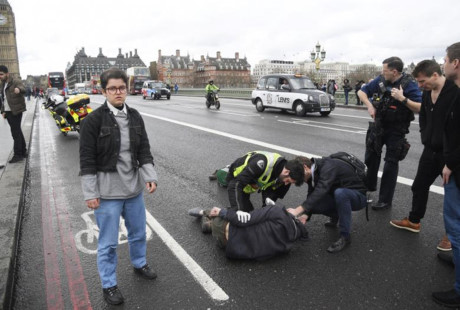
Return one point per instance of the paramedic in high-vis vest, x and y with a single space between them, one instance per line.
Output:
265 172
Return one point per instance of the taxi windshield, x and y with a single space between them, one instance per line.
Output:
302 83
156 85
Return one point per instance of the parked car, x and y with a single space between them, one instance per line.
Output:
155 90
291 92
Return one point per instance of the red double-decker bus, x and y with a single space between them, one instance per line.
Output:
57 80
136 78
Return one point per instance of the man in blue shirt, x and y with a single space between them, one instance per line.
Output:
398 97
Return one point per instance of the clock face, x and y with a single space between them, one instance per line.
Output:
3 19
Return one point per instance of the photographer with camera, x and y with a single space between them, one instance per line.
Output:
392 111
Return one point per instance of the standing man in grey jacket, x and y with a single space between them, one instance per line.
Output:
115 163
13 105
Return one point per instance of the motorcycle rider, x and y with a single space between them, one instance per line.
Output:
210 88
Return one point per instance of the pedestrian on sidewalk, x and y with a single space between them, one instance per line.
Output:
13 105
438 95
346 89
115 163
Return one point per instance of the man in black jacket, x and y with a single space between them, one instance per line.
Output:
13 105
116 165
451 176
438 94
260 234
335 190
267 172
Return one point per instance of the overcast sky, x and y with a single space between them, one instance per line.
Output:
50 32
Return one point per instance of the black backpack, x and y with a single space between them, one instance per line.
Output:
352 160
358 165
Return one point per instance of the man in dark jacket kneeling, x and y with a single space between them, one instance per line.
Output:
260 234
334 189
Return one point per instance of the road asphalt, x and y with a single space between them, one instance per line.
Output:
13 182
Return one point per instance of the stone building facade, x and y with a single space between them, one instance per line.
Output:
85 67
187 72
8 45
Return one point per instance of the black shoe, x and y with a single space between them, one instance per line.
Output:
449 299
2 166
332 222
206 225
112 295
16 159
213 176
196 212
381 206
446 258
146 272
339 245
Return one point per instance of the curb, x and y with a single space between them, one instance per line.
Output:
12 188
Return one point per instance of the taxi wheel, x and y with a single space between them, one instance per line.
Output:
259 106
143 97
300 109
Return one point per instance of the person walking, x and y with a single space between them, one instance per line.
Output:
13 106
392 114
115 163
438 95
451 177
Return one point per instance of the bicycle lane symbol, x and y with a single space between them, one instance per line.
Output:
86 239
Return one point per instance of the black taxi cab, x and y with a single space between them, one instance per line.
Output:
291 92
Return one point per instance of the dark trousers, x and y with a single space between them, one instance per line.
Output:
16 133
346 97
429 168
339 205
392 140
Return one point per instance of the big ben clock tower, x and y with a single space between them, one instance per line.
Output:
8 45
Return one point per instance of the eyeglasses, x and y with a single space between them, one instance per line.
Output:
113 90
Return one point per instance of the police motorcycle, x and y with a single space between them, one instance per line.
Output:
68 114
213 99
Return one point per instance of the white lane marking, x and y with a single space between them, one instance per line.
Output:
317 126
219 111
197 272
402 180
363 117
302 121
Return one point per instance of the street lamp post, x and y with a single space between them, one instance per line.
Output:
318 56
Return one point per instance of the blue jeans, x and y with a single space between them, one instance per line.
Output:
347 200
108 220
452 224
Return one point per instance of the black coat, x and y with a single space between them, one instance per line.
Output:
100 141
433 116
329 174
271 231
452 139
